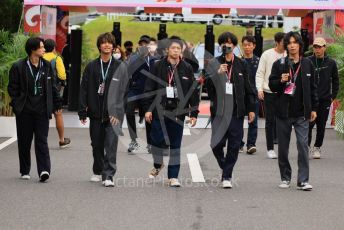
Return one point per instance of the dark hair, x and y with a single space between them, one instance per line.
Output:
279 37
128 43
32 44
298 39
175 37
106 37
144 38
248 38
49 45
224 37
153 39
171 40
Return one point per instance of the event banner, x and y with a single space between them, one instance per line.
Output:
48 22
254 4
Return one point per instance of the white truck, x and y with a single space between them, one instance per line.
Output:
188 16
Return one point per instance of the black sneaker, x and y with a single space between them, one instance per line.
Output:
133 147
305 186
65 143
44 176
252 149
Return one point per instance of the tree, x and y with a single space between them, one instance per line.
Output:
10 11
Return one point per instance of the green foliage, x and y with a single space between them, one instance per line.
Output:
10 12
336 51
11 50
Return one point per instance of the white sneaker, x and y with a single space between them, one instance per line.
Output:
96 178
25 177
284 184
305 186
44 176
271 154
316 153
109 183
227 184
155 172
174 182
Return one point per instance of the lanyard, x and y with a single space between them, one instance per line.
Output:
170 76
230 70
147 62
294 75
107 69
37 77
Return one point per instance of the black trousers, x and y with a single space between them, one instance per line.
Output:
104 143
31 125
322 116
270 119
130 115
232 138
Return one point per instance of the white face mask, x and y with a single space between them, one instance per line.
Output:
117 56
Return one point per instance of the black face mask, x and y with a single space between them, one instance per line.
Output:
130 50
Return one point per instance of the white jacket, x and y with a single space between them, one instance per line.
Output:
264 69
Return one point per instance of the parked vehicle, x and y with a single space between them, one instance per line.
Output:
188 16
257 20
142 16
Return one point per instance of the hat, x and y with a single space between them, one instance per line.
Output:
319 41
144 38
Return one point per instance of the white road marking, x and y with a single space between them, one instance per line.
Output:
195 168
8 142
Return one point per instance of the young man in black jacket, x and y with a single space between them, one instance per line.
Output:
249 44
326 78
102 96
231 98
34 98
171 94
139 65
292 78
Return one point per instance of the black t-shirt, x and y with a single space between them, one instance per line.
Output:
296 108
101 97
36 103
232 81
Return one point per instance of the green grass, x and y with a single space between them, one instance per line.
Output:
132 30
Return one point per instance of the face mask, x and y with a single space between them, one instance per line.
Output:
130 50
152 48
143 51
117 56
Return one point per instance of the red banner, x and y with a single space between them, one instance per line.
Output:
32 19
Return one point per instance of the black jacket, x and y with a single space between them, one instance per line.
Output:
155 89
326 78
244 94
89 99
18 86
309 90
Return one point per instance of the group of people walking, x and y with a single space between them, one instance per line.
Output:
158 81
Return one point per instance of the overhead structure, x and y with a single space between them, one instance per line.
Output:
251 4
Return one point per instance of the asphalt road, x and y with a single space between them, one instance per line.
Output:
70 201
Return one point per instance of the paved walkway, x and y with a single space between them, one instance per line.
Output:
70 201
